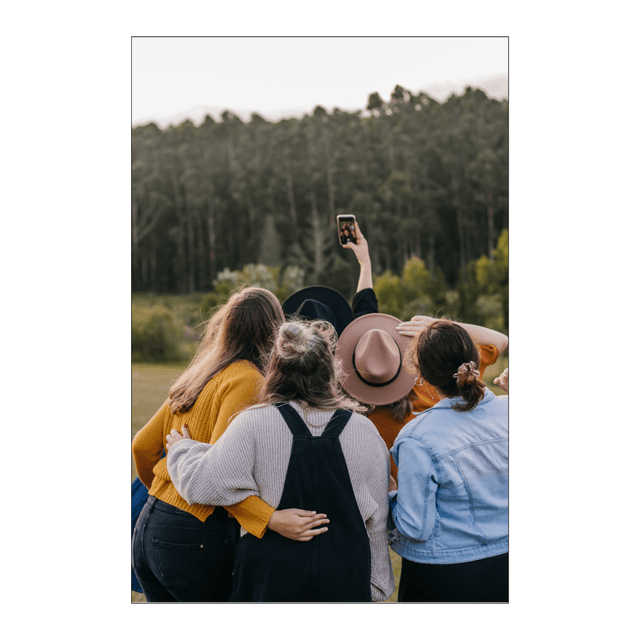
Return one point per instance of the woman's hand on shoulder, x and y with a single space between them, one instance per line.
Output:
297 524
503 380
174 436
416 325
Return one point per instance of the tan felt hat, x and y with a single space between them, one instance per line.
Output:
371 353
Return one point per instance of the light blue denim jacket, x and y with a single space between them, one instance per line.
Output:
452 500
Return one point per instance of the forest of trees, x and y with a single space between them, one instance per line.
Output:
425 179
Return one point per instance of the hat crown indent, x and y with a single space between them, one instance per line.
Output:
377 357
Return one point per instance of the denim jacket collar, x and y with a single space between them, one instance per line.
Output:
447 403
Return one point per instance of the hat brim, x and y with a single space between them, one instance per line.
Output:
351 382
333 299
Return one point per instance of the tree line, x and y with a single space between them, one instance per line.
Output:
425 179
169 326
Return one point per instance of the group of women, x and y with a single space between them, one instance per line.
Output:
277 484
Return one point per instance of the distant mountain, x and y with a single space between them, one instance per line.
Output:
496 87
198 114
195 114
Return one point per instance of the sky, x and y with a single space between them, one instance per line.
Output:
287 77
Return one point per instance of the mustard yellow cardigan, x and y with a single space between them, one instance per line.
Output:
229 391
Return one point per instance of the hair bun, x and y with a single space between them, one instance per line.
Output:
294 339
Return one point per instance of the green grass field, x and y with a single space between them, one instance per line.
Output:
149 387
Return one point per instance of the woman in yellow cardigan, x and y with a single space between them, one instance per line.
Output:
186 553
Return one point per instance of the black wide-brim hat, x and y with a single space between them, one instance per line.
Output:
320 303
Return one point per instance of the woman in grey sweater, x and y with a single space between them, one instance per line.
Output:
307 446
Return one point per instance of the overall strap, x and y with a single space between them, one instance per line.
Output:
337 423
298 427
295 423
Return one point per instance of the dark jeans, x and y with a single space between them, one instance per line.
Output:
178 558
485 580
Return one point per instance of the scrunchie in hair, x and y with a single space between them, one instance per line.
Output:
467 369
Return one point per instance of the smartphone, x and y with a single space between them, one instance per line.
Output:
347 229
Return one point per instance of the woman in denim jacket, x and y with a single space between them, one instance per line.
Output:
450 510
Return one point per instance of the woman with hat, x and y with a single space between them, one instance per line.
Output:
450 509
305 445
370 351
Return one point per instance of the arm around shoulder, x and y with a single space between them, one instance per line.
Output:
220 474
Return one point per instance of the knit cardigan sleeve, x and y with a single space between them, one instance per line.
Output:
148 446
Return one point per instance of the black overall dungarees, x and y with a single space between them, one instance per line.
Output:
331 567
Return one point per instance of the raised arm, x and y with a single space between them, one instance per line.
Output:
480 335
361 250
364 301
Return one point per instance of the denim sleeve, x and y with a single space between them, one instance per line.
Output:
413 508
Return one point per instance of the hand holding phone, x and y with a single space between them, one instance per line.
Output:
360 248
347 229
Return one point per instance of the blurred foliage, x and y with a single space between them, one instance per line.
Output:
156 334
389 293
281 282
291 279
185 307
422 306
258 275
415 279
493 276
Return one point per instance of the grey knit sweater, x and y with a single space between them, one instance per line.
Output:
252 457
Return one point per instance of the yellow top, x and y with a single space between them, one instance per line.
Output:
229 391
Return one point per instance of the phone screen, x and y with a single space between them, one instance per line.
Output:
347 229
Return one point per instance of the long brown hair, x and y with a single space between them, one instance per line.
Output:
243 329
303 367
437 353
